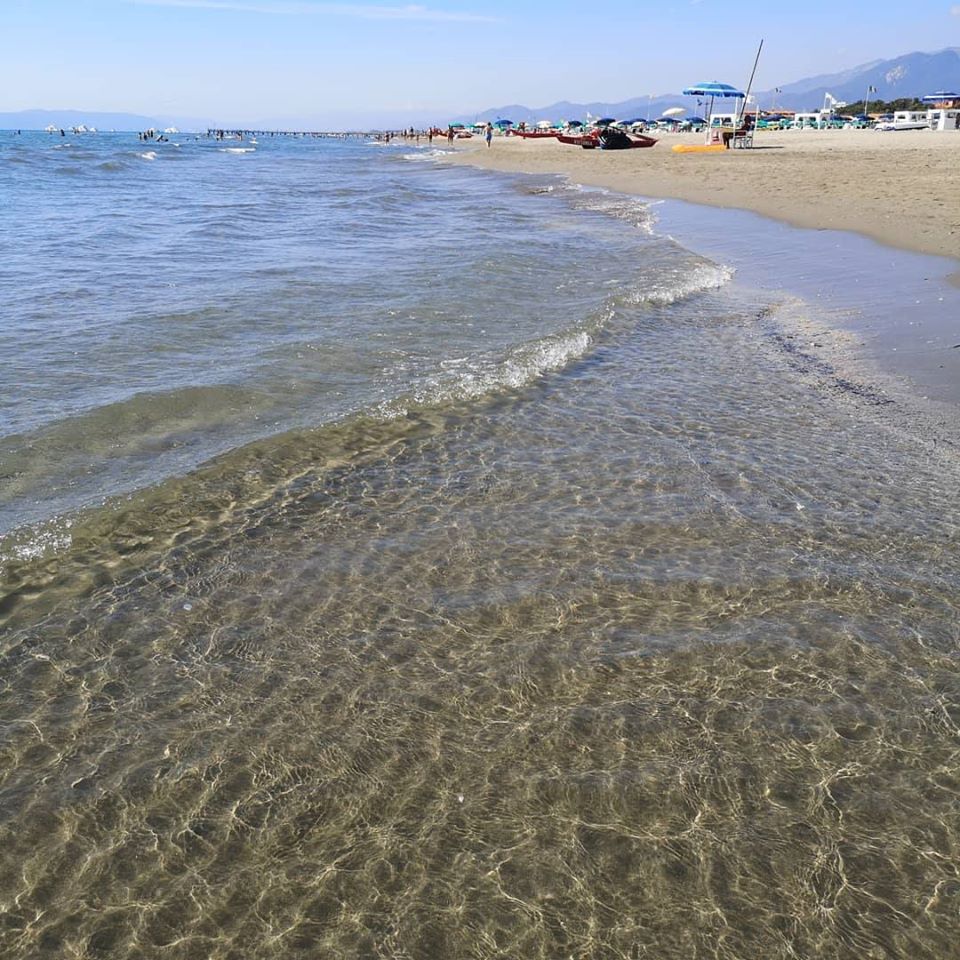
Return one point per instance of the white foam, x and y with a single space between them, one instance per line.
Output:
45 540
238 149
634 210
683 281
464 379
149 155
427 153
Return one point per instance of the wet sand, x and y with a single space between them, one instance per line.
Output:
899 188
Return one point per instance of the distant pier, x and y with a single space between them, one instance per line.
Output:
222 134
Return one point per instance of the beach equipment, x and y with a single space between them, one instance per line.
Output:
715 90
611 138
698 147
503 124
941 96
675 112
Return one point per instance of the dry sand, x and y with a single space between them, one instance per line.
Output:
901 188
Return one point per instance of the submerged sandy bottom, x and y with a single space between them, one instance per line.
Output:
655 657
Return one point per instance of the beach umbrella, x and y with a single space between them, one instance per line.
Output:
713 89
675 112
545 124
605 121
503 123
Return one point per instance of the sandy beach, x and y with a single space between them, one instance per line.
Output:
901 188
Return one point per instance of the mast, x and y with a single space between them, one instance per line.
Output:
750 84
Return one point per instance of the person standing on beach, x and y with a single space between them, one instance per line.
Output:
489 134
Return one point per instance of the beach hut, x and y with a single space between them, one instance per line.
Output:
943 112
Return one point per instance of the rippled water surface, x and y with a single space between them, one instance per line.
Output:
616 631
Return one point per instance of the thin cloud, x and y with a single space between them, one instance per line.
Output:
293 8
955 10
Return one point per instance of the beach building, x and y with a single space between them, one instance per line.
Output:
944 118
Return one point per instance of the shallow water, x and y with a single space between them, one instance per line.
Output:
647 651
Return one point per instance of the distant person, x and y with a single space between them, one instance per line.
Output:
489 134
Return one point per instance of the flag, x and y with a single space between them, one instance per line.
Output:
871 89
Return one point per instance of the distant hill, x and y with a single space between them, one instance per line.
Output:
638 107
912 75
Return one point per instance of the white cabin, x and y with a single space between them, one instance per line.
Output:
944 118
902 117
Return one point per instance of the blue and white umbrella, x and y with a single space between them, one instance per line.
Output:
713 89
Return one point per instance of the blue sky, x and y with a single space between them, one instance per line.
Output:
307 62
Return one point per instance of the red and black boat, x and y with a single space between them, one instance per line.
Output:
608 138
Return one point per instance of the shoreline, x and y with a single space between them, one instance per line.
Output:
889 324
900 189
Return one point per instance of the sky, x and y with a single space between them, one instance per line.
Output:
307 63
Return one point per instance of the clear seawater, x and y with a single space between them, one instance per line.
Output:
398 560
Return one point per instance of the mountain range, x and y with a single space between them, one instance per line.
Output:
910 75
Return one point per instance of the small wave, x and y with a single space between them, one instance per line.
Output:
110 165
149 155
682 281
427 153
238 149
464 379
634 210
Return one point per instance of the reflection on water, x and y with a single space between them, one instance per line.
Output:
653 658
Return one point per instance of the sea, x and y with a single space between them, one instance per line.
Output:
401 560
